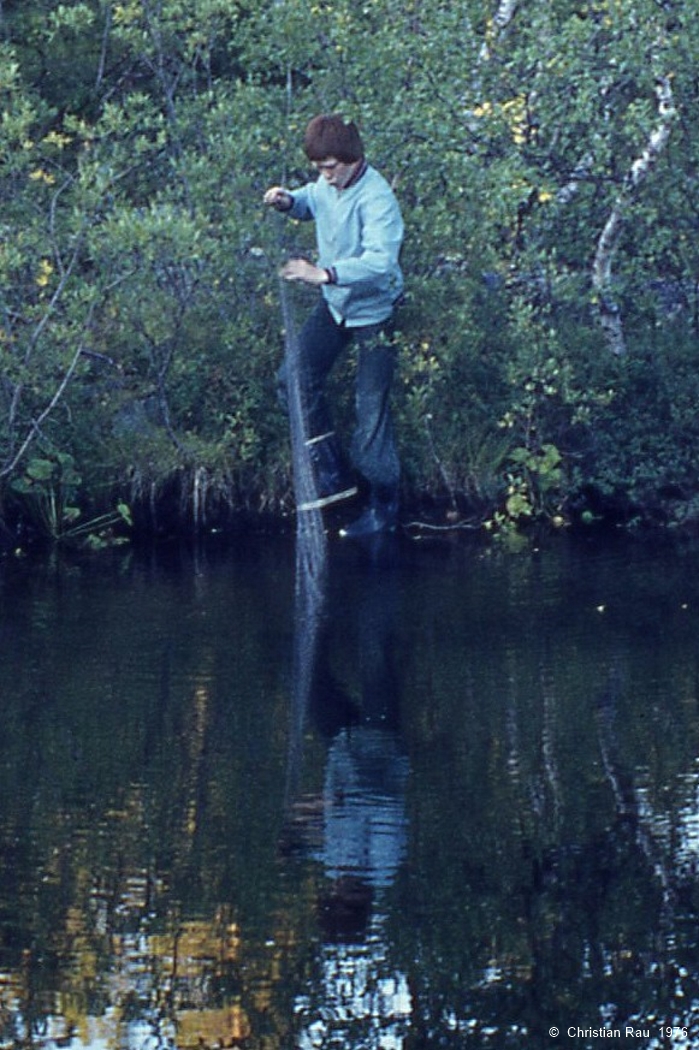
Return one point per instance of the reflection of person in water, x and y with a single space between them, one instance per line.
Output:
364 827
357 830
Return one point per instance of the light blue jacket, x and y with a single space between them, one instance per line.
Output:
359 231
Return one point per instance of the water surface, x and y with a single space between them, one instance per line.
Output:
454 805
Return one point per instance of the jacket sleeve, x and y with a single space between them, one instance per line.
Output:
303 203
380 243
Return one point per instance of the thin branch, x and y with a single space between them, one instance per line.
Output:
35 426
104 48
36 335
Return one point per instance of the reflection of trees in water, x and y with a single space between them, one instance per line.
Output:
116 921
552 839
599 911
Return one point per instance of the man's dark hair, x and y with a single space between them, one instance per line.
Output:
328 136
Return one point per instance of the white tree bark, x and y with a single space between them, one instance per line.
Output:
505 13
501 20
607 309
581 171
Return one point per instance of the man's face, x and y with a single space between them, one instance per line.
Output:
335 171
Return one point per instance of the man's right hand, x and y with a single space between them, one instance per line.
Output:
279 198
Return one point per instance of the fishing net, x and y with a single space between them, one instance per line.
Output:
311 549
311 541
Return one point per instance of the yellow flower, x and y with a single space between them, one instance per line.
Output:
44 274
484 110
39 175
57 138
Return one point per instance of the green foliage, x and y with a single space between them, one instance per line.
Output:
48 488
139 324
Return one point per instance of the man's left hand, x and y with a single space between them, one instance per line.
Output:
304 271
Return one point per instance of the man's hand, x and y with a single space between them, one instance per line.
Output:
279 198
304 271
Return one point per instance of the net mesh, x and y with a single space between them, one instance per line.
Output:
311 550
311 541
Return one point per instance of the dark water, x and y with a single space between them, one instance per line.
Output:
458 809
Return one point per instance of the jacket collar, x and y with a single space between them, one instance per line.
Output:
361 170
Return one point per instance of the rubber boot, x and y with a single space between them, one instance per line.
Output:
332 482
380 516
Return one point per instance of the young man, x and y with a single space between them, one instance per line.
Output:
359 231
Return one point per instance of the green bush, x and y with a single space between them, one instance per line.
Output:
140 325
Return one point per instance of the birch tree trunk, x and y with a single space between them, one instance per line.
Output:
501 20
607 309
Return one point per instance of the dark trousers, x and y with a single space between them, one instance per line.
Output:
320 343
